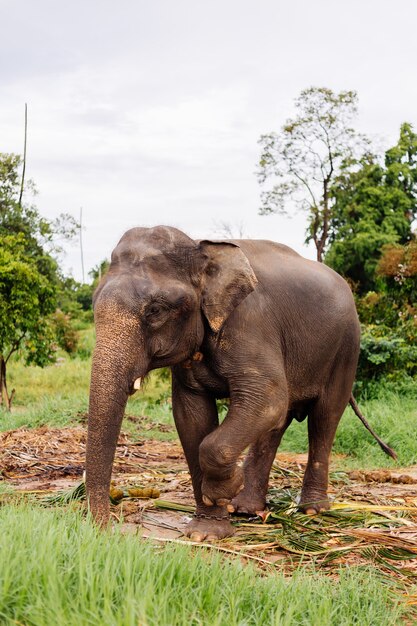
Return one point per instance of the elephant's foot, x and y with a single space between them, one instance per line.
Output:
221 492
312 503
211 525
248 502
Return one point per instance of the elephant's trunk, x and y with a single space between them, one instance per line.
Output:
112 379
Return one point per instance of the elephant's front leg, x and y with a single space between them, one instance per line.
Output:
195 415
252 499
252 415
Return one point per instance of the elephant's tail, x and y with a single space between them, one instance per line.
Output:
383 445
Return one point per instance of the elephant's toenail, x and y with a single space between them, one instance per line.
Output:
230 508
310 511
207 501
263 515
222 501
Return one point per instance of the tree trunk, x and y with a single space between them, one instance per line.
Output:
6 399
325 218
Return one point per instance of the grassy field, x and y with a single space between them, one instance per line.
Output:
58 569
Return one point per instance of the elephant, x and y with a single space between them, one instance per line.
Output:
248 320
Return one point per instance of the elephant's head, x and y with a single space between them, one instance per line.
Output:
151 310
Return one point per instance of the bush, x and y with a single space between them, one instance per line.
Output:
386 353
66 335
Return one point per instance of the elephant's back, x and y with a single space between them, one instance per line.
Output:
259 247
281 270
306 296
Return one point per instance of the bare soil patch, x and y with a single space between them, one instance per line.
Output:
373 518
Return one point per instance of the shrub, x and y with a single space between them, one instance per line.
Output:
66 335
386 353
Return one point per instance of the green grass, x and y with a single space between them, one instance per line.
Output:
57 568
393 417
57 395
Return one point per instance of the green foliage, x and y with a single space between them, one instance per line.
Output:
84 296
373 246
26 300
76 299
29 275
389 316
385 354
40 235
59 569
98 271
86 340
374 206
66 335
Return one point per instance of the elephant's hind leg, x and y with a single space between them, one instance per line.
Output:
257 467
323 419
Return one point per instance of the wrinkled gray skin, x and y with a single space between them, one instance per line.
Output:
248 320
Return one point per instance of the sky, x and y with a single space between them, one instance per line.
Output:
146 113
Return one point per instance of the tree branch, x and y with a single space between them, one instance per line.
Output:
307 186
14 348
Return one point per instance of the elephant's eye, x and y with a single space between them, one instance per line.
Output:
154 309
212 269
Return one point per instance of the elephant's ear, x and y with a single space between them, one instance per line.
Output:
226 280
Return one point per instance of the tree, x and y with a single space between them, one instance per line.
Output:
98 271
26 300
389 318
307 154
29 273
74 297
374 247
374 206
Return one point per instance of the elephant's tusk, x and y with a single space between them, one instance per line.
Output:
137 383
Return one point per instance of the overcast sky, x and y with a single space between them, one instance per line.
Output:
149 112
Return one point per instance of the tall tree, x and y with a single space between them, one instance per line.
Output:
374 206
303 159
29 273
26 299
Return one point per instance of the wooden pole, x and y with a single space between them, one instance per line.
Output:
22 184
81 242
